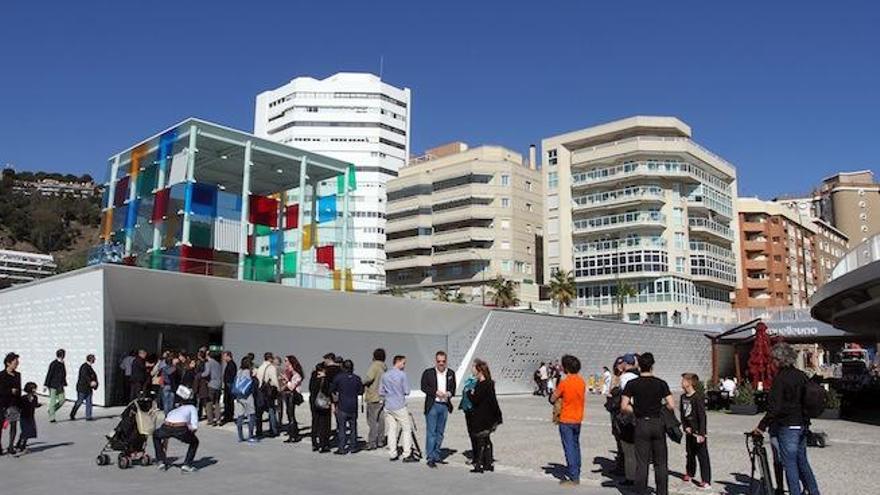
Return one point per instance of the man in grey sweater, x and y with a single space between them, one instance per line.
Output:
214 373
374 401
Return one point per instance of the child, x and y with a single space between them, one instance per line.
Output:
693 420
28 424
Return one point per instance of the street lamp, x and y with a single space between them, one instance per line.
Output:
483 272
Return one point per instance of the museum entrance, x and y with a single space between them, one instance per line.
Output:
128 336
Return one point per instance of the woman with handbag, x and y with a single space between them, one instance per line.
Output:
485 416
293 378
319 401
645 397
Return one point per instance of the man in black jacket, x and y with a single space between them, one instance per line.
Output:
86 383
787 422
56 380
139 378
438 384
229 372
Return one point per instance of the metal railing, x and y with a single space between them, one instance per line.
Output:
863 254
711 225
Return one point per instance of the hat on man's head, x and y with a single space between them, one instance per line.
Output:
629 359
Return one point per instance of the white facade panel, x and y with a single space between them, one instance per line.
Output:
227 235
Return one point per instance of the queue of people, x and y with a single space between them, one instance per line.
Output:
210 387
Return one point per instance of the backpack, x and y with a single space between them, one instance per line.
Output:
242 387
814 399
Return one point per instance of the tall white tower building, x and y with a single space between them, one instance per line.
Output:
353 117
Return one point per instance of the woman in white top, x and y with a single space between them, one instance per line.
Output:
293 374
244 399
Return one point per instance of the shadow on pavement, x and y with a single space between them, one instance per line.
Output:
556 470
742 485
204 462
39 447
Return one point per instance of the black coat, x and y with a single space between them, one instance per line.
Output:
56 378
138 371
86 376
486 413
229 372
429 387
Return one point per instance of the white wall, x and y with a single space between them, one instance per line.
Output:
38 319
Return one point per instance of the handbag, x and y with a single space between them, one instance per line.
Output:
671 425
322 400
297 398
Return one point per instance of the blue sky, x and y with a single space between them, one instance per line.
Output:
787 91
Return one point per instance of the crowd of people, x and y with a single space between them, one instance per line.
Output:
212 387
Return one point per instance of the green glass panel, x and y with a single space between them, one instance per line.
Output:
260 268
288 262
262 229
352 181
156 260
147 181
201 235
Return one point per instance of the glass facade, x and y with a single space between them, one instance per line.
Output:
204 199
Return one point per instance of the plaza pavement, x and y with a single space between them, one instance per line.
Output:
526 448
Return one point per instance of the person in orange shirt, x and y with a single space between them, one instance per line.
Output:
571 391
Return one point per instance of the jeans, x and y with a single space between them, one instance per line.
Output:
290 407
167 399
80 398
181 433
56 400
346 423
571 445
251 419
273 419
375 423
697 452
650 441
793 450
435 426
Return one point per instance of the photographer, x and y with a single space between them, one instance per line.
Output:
787 422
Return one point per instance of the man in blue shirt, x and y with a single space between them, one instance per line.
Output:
394 388
345 388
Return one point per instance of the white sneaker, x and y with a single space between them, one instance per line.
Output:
188 469
162 466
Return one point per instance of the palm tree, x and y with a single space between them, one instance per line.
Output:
459 298
397 292
624 291
443 294
503 292
563 289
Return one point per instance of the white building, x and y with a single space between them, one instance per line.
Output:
637 205
356 118
17 267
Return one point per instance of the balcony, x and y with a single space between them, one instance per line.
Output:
711 227
619 197
460 255
755 264
407 262
483 212
755 246
757 283
643 169
710 249
463 235
753 226
615 222
407 243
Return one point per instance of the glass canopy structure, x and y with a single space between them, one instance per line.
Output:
206 199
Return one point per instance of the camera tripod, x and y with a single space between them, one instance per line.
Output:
758 457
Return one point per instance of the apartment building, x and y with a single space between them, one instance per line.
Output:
356 118
779 255
637 207
17 267
459 217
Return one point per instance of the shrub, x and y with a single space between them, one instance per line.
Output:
744 395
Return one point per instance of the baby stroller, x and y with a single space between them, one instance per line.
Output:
129 438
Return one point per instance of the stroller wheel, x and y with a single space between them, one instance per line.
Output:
146 460
100 460
123 462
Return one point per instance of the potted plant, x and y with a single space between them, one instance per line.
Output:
832 405
744 400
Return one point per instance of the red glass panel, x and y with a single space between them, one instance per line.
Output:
196 260
325 256
263 210
291 217
160 206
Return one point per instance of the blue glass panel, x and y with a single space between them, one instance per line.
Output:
326 208
202 199
131 214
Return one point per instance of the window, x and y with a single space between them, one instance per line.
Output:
551 157
529 185
677 218
529 207
505 202
679 240
505 244
519 267
505 265
777 258
679 264
505 180
505 224
552 202
552 180
529 228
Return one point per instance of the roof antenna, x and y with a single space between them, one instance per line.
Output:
381 65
